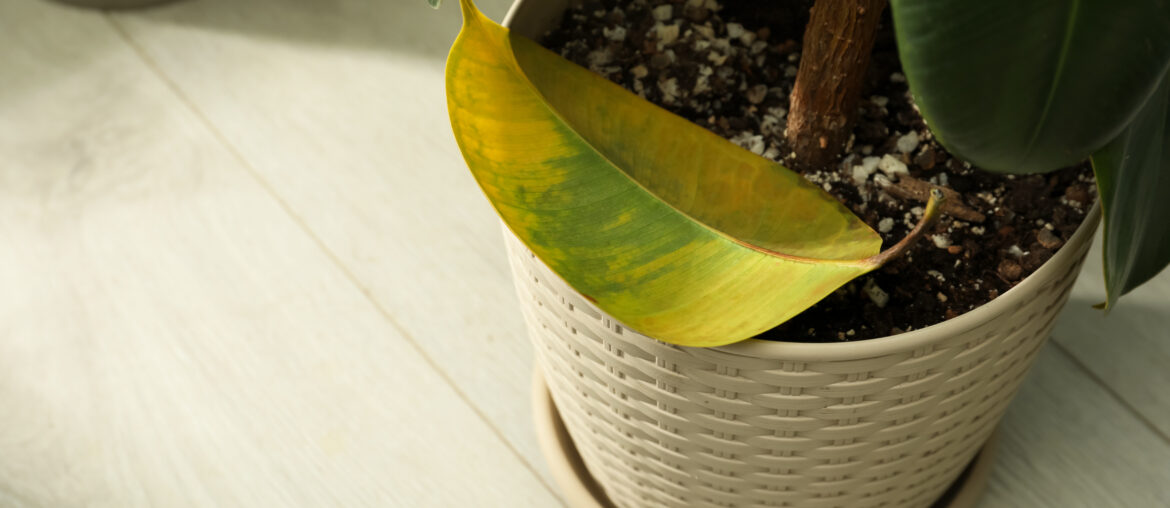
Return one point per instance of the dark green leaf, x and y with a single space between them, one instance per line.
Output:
1133 176
1028 86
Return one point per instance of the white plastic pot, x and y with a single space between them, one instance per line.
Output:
884 422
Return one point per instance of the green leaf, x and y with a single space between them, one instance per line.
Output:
1133 179
674 231
1028 86
434 3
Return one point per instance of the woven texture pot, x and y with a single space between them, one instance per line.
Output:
886 422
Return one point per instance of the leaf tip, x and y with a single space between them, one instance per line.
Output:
1109 303
434 3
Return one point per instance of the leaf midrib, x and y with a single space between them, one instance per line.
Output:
865 263
1061 62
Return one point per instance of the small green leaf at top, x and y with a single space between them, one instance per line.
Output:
1133 179
434 3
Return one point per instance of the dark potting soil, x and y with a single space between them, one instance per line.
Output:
731 69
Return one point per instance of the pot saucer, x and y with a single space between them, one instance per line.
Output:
580 490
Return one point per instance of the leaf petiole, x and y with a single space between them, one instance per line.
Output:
928 218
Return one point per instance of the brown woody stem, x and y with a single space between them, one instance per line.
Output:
928 217
823 105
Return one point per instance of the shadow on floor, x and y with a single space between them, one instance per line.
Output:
393 26
1132 319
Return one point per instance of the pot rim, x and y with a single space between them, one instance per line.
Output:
881 346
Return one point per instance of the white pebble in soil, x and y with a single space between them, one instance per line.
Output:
735 30
756 94
860 175
705 31
669 89
868 167
892 167
941 241
907 143
616 34
876 294
703 82
599 58
747 38
667 34
771 125
663 12
753 142
886 225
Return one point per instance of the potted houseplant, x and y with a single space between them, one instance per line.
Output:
647 250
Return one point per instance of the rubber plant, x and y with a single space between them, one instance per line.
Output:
688 238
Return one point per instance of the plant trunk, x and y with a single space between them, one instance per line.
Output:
837 46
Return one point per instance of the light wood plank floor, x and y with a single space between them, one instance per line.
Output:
243 265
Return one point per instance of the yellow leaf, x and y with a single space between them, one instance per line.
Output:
676 232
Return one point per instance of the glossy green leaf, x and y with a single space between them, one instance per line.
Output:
1133 177
1034 85
673 230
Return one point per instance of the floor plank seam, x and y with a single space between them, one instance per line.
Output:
1109 390
174 88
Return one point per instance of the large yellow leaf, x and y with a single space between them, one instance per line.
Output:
676 232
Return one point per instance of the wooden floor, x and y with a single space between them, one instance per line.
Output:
242 264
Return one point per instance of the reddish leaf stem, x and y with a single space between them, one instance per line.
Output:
928 218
